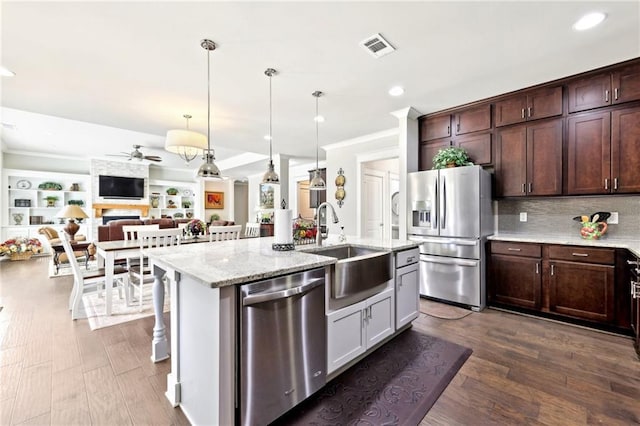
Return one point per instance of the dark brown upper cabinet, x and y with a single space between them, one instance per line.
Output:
529 160
472 120
533 105
435 127
602 152
608 88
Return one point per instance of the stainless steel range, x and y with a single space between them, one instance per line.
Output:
451 215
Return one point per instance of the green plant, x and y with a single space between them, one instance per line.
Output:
451 157
76 202
172 191
215 216
51 198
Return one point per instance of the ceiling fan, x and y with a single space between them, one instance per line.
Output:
136 154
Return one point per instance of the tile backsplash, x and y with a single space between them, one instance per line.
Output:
555 215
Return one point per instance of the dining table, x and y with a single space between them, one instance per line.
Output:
111 251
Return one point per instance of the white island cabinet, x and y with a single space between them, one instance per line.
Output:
407 287
203 280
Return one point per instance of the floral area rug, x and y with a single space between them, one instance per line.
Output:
94 307
395 385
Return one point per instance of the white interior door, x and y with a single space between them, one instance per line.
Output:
373 203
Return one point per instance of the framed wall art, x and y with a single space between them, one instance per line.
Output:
267 196
213 200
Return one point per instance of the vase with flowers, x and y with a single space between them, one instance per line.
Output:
195 228
20 248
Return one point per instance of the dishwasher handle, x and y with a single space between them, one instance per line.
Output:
282 294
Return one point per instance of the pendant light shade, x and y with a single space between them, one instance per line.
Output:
317 183
209 170
270 176
186 143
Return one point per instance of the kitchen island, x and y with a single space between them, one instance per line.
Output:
202 280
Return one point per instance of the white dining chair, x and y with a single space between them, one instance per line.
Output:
252 229
88 281
139 275
131 233
222 233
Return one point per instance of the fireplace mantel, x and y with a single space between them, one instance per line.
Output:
98 208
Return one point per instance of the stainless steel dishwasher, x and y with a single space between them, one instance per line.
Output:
283 344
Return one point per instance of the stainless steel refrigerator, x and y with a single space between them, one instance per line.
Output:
451 214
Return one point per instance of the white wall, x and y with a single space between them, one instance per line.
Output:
225 186
345 155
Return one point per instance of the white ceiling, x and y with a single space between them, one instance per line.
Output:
121 73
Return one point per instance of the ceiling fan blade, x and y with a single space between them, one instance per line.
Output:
152 158
118 155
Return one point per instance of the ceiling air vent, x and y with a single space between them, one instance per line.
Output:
377 46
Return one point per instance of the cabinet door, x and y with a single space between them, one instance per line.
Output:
511 162
626 84
407 295
345 335
435 127
515 280
589 154
582 290
510 111
380 317
478 147
473 119
590 92
625 150
544 158
544 103
428 150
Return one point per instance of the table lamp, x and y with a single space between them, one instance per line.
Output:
71 212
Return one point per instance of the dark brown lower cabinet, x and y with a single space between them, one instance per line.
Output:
573 283
582 290
515 281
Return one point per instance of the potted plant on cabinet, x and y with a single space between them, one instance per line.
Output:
452 156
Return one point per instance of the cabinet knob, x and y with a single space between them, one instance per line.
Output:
606 95
606 183
552 269
529 112
522 115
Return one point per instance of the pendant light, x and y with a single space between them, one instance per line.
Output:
317 183
270 175
186 143
208 170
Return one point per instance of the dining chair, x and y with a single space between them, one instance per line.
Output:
139 275
252 229
221 233
131 233
87 281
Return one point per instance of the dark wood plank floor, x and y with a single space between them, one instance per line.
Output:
523 370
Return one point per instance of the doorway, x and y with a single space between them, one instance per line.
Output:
380 188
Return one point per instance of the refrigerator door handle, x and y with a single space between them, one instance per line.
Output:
443 219
443 241
449 261
434 213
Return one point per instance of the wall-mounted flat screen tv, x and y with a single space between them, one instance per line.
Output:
120 187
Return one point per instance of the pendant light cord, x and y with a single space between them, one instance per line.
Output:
208 101
270 120
317 137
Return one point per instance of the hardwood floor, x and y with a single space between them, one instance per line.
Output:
522 371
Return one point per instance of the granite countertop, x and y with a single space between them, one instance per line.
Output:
225 263
631 244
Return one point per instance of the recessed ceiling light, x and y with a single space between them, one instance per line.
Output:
396 91
6 72
319 119
589 20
